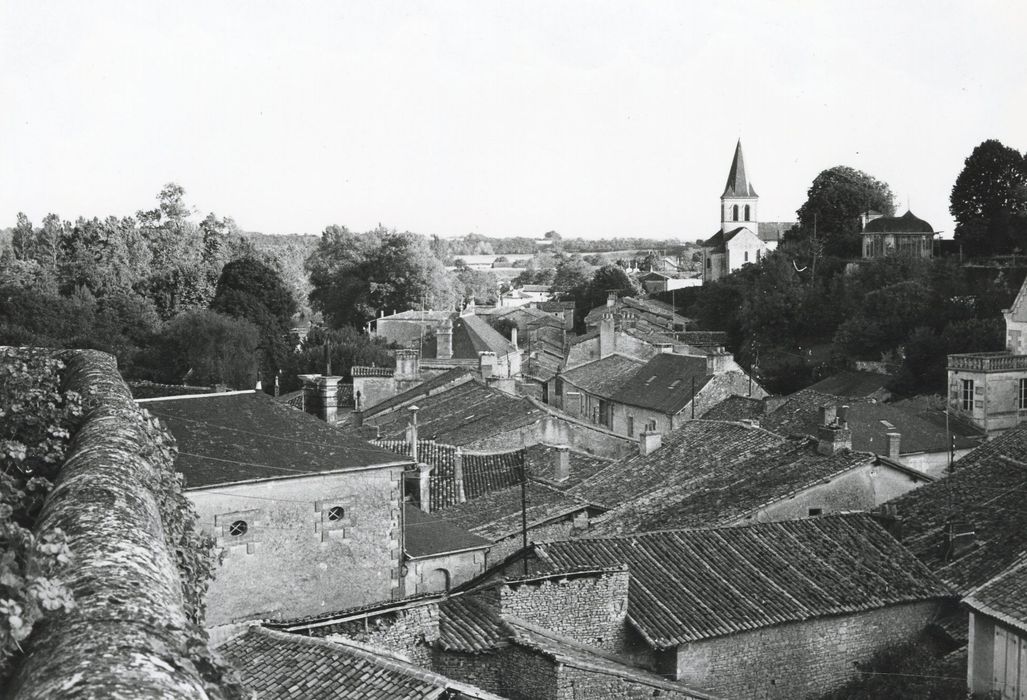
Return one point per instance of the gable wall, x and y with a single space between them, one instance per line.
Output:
800 659
292 562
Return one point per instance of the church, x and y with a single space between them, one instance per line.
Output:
742 239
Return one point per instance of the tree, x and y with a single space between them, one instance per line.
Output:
572 273
204 348
834 203
345 346
353 276
989 200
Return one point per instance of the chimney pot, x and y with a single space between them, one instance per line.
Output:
562 463
894 445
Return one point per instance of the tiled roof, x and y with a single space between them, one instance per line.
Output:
722 493
470 625
427 535
735 408
582 466
646 311
452 376
282 665
985 490
688 585
224 439
1004 597
692 447
718 240
704 339
497 514
461 415
602 377
850 383
870 422
471 335
665 383
482 473
907 223
737 183
417 315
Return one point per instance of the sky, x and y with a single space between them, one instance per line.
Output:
594 119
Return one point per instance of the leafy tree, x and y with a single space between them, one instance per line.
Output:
834 203
345 346
572 273
355 275
204 348
989 200
478 285
885 320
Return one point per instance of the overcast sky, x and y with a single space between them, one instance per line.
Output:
502 118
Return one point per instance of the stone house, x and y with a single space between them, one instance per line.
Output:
990 388
736 611
997 655
722 473
438 554
646 315
627 398
307 515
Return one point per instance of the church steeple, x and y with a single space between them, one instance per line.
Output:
738 203
737 183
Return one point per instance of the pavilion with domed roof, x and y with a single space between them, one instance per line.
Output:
906 236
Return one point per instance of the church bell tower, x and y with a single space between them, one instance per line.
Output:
739 201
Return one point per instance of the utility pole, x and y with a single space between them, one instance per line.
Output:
693 397
524 514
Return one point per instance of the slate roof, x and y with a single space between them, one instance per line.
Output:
692 447
460 415
850 383
427 535
434 384
497 514
240 437
602 377
282 665
737 183
870 422
735 408
986 490
688 585
665 383
907 223
723 493
1004 597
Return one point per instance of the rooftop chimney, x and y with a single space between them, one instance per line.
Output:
611 299
407 364
444 340
649 441
717 361
833 434
424 483
607 335
321 396
960 537
486 365
513 336
412 433
561 463
894 443
458 475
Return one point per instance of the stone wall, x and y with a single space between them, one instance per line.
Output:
293 561
577 684
127 635
565 528
591 609
409 632
482 670
800 659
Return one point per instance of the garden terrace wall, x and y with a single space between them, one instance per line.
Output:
128 634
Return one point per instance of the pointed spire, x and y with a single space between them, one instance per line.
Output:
737 183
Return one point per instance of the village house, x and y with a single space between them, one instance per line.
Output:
438 554
721 473
737 610
997 654
655 282
307 516
990 388
911 433
627 397
646 315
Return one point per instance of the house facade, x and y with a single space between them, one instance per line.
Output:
997 654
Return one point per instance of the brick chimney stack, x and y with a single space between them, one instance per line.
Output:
607 335
649 441
894 445
833 434
561 463
444 340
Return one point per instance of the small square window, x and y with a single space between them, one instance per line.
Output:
238 528
816 512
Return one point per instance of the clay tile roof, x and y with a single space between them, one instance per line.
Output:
455 375
1004 597
426 535
693 446
497 514
470 625
471 335
851 383
735 408
602 377
704 339
688 585
460 415
664 383
541 460
985 490
737 183
907 223
282 665
224 439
